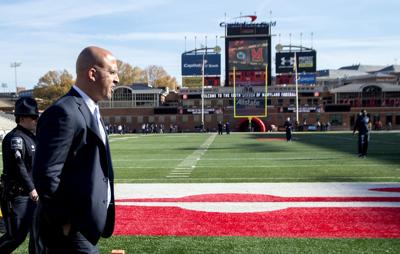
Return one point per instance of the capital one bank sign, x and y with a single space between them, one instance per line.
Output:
192 64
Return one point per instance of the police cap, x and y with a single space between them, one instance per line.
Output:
26 106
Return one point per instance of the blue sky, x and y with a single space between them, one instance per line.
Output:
48 34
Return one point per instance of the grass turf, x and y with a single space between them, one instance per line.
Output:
311 157
221 245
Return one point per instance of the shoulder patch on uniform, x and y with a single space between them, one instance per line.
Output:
17 154
16 143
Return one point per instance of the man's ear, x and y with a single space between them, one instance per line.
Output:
92 74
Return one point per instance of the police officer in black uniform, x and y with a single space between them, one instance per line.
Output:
288 128
19 197
220 128
362 125
356 126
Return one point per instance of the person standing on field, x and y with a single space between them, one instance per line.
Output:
363 128
288 129
73 169
19 196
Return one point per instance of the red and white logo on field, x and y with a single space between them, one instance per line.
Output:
260 209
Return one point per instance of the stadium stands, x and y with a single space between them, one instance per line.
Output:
7 123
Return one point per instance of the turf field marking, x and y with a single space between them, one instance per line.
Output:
240 159
262 166
140 180
189 163
177 136
351 156
293 210
118 139
138 159
258 197
240 207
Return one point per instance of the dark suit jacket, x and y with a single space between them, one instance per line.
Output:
72 167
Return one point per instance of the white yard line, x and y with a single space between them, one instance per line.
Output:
240 207
240 159
208 191
118 139
138 159
332 189
191 160
189 163
257 179
268 166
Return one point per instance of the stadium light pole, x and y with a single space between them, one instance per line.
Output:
15 65
202 92
297 86
4 86
216 49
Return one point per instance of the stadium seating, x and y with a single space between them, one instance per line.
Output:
7 123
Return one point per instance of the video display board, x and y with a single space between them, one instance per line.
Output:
248 48
248 67
249 54
256 78
212 81
306 61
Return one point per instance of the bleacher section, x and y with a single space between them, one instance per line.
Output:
7 123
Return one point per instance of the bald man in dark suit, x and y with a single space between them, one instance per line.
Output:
73 170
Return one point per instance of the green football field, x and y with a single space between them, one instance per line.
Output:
247 158
311 157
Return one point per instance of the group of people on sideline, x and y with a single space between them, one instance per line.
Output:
117 129
225 126
154 128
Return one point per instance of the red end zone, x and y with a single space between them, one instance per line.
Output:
292 222
317 222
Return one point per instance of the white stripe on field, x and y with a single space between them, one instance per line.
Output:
268 166
306 189
191 160
240 159
279 190
189 163
118 139
129 180
253 158
240 207
137 159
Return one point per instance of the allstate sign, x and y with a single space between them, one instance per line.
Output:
192 64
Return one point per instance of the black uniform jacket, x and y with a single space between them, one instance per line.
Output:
18 148
72 168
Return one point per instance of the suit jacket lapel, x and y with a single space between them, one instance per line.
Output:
89 118
94 127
